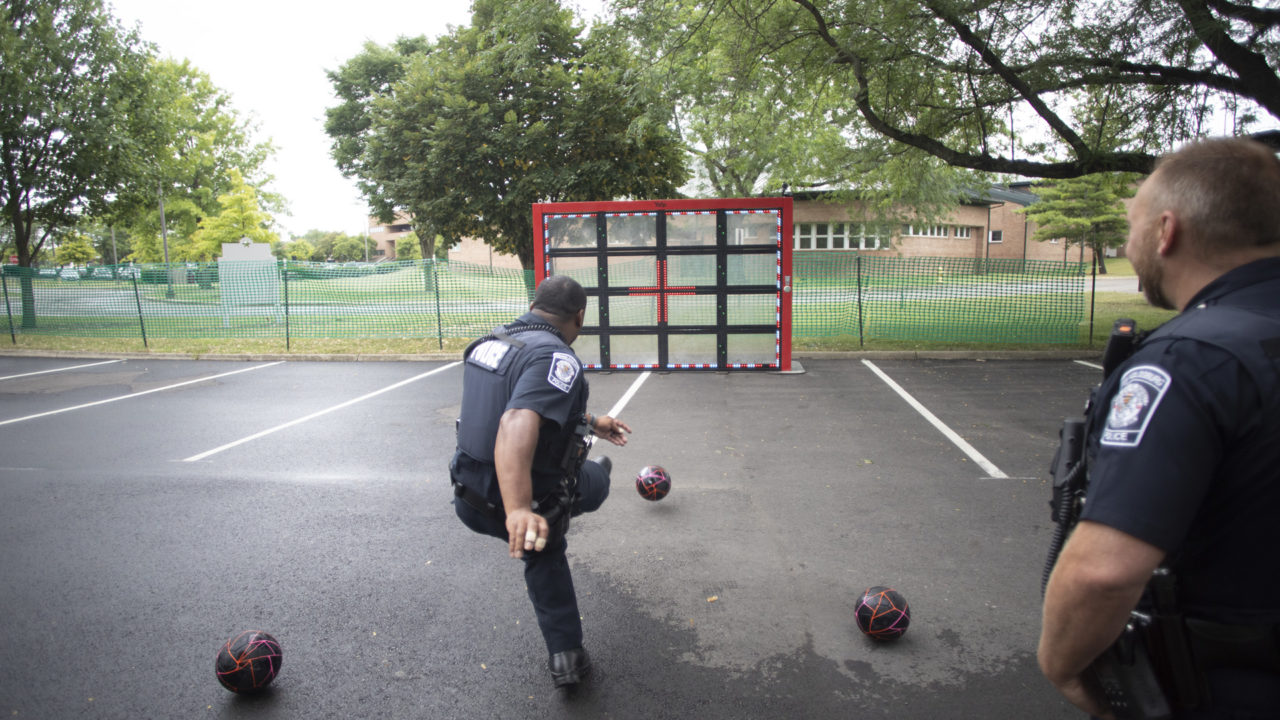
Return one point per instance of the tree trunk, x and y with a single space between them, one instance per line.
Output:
530 277
1099 253
427 245
28 300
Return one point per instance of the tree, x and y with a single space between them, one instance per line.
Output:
1088 211
408 248
348 248
297 249
241 217
515 109
358 83
69 76
762 123
737 112
991 86
75 249
333 246
192 138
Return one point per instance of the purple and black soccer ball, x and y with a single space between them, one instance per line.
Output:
653 482
248 662
882 613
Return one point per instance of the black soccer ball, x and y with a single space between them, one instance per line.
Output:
248 662
882 613
653 482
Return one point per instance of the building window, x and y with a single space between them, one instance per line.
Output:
964 231
926 231
835 236
997 236
406 227
864 238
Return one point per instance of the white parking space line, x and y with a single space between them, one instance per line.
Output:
1089 364
139 394
626 396
314 415
617 408
73 367
951 435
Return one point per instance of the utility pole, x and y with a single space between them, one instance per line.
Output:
164 238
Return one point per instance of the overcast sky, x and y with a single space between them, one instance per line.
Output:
271 57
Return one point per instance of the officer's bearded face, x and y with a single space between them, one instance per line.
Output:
1141 249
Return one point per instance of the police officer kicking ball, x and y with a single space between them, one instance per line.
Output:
520 470
1182 454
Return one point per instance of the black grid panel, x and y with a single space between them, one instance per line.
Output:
674 289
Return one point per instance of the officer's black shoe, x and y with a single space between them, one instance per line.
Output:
569 667
604 462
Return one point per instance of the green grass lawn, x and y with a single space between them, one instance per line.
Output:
394 313
1108 308
1118 267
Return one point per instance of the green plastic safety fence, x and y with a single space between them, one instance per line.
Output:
834 294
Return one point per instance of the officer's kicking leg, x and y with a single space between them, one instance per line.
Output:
593 485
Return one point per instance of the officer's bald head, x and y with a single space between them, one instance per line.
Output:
561 297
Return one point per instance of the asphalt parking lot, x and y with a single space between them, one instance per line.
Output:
150 509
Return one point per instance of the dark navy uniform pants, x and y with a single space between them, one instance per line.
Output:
546 573
1239 695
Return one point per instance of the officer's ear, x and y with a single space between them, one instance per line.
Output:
1170 233
579 318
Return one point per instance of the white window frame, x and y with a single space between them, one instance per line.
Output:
995 237
865 240
938 231
964 232
838 236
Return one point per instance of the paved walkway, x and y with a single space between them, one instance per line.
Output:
1111 283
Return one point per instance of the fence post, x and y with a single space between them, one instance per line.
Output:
284 273
1093 297
435 281
8 310
858 263
137 297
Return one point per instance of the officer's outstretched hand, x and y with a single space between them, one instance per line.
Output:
526 530
611 429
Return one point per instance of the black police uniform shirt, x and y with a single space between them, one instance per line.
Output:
1185 453
544 376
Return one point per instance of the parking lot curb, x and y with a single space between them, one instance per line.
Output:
421 357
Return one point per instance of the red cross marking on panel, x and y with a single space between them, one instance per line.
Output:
661 291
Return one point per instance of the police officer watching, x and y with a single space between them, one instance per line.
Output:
1183 446
519 472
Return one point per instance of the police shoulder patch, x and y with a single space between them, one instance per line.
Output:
1134 404
564 370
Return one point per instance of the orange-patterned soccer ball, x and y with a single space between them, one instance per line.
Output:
653 483
882 613
248 662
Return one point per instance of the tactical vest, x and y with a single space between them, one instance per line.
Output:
1251 337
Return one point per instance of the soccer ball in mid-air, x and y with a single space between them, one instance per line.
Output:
882 613
653 483
248 662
